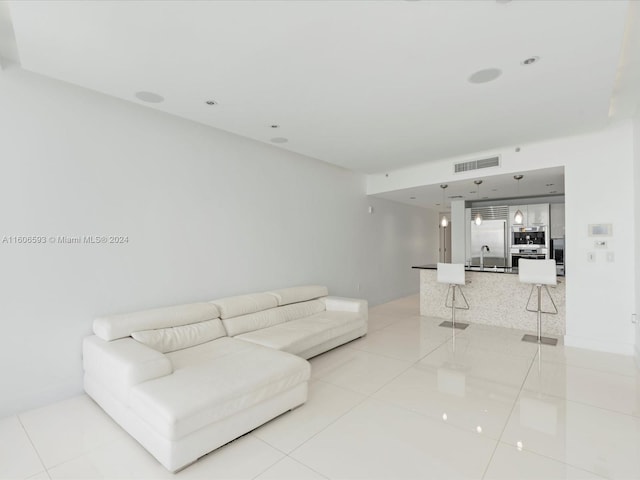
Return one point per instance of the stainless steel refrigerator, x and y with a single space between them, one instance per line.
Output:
493 234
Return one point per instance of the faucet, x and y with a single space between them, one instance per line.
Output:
483 248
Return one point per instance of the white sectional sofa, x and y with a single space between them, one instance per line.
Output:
185 380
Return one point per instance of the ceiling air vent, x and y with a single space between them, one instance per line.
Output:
491 212
477 164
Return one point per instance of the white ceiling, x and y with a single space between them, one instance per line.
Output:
368 85
535 183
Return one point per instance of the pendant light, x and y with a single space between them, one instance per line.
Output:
444 222
518 217
478 219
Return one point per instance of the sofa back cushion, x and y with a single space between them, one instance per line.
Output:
286 296
273 316
177 338
244 304
119 326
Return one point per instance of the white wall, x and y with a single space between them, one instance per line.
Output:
636 200
207 214
599 186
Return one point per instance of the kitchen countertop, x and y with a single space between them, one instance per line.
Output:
508 270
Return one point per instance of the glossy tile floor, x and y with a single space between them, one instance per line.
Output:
410 400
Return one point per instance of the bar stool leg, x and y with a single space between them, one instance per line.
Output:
539 313
452 323
539 339
453 306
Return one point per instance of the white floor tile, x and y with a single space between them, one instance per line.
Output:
377 440
499 340
245 458
599 389
356 370
289 469
600 441
326 403
581 357
451 396
402 307
18 458
402 342
124 458
40 476
481 364
378 320
68 429
509 463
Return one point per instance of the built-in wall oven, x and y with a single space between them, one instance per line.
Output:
530 254
529 242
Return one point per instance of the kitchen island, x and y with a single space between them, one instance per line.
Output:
496 297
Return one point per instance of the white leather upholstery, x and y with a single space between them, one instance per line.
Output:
341 304
244 304
268 318
175 455
537 272
215 386
286 296
299 335
197 396
123 363
176 338
451 273
121 326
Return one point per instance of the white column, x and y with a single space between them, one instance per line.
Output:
458 233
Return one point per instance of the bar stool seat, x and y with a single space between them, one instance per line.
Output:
538 273
453 274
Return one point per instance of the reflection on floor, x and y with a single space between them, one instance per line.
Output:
409 400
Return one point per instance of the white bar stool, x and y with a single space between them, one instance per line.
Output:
538 273
453 275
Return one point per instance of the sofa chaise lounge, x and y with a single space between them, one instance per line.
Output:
187 379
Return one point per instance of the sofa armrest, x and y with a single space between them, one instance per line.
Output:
342 304
122 363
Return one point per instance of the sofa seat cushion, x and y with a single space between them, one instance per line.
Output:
300 335
213 381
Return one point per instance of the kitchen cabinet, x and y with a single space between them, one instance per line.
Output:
556 220
538 214
512 213
532 215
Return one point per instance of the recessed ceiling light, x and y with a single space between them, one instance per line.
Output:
211 102
149 97
486 75
530 60
279 140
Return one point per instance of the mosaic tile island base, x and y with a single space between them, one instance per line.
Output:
495 299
